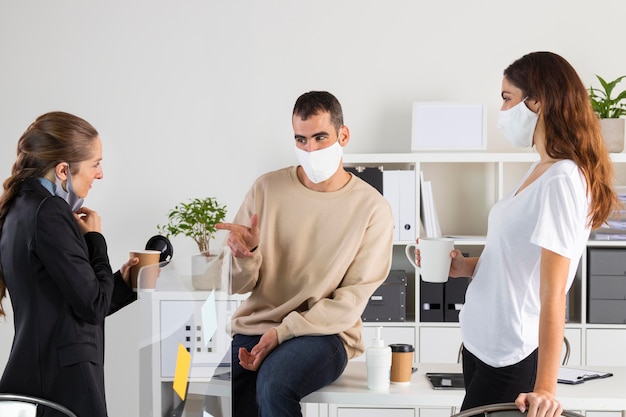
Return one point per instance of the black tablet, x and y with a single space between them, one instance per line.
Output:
446 380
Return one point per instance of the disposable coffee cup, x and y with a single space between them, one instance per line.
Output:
434 257
401 363
145 273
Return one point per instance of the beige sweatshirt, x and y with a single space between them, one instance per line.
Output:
320 258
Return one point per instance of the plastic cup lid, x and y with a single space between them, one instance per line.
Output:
401 347
163 245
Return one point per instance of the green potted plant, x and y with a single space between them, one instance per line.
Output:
609 108
197 219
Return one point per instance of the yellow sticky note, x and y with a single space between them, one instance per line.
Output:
181 376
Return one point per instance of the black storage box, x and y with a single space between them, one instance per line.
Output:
431 301
454 298
606 284
388 303
442 301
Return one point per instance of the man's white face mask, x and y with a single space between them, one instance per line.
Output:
517 124
321 164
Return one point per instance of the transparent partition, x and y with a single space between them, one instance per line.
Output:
184 339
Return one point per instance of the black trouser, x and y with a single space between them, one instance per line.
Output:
485 384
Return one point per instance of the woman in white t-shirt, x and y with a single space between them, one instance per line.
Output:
513 319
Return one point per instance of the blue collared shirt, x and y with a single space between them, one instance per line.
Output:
49 185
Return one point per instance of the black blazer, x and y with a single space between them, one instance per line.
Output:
61 288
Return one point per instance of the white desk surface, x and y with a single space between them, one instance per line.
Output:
351 389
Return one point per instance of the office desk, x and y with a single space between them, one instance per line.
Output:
351 389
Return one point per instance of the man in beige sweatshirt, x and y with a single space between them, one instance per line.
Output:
310 245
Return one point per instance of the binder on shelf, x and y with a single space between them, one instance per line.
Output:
432 212
391 192
425 207
407 217
399 188
428 213
578 376
436 224
371 175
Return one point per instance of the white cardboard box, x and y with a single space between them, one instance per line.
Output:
448 126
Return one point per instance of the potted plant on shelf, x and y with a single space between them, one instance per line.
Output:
609 109
197 219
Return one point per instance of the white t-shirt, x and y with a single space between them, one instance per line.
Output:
500 318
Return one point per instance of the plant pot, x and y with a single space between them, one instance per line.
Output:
206 272
613 133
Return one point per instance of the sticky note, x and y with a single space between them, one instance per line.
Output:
209 318
181 375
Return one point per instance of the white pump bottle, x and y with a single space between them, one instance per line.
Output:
378 359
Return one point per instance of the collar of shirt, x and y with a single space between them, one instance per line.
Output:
49 185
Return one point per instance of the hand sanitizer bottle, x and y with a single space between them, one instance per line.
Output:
378 359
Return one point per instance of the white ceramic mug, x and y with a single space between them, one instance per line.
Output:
434 257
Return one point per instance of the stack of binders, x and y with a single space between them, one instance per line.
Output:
398 187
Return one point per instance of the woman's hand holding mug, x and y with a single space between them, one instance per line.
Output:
431 257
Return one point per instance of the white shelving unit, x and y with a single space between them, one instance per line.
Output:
465 187
172 317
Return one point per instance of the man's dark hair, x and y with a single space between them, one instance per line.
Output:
316 102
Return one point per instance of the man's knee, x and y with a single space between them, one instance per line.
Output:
271 388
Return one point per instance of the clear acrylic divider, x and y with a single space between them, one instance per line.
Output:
179 323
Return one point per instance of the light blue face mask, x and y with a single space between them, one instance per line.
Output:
74 201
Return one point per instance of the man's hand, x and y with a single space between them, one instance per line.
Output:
242 239
252 360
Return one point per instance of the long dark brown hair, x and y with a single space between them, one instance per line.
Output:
572 128
52 138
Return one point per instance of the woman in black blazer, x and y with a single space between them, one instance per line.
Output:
54 263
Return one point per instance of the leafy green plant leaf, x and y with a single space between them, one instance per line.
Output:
195 219
604 104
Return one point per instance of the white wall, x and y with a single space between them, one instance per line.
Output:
194 98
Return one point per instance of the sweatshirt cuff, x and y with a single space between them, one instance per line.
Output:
283 330
282 333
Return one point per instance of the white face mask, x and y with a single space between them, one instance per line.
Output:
70 196
320 165
517 124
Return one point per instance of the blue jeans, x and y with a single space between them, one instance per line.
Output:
296 367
